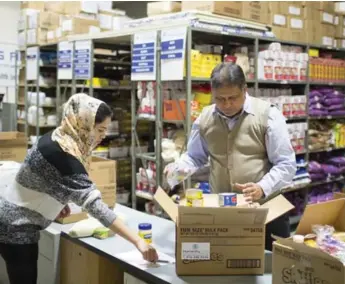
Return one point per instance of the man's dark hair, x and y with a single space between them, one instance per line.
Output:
103 112
227 74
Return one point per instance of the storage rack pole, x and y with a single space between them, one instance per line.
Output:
91 69
58 90
38 92
256 52
26 89
74 89
188 88
133 133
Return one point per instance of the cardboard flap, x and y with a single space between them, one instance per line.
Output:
325 213
338 195
166 203
306 249
222 216
277 206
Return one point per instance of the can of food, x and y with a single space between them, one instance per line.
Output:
227 199
194 197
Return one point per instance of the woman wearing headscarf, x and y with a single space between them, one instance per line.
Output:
54 173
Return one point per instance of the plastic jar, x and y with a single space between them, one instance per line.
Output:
145 232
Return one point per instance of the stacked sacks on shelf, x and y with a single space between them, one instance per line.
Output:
320 135
323 193
326 101
320 172
302 176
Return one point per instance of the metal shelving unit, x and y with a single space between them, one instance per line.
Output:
208 31
31 83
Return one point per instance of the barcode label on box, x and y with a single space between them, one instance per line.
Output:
195 251
243 263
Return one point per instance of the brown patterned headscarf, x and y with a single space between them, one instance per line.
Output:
76 135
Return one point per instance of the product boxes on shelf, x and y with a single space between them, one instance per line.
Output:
339 7
36 36
251 10
77 7
163 7
299 263
44 20
213 240
13 146
76 25
37 5
55 7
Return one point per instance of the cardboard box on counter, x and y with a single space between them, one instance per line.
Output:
36 36
13 146
163 7
55 7
77 26
44 20
108 193
77 214
37 5
251 10
221 241
294 262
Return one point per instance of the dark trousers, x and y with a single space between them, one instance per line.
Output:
279 227
21 262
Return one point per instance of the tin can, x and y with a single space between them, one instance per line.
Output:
194 198
227 199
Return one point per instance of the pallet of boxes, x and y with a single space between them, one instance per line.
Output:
311 22
102 173
44 23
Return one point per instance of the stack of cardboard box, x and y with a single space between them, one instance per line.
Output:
340 31
251 11
306 22
103 173
50 22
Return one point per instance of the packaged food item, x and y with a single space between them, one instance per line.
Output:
194 197
145 232
227 199
103 233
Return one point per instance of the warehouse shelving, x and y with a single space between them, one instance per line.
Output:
219 34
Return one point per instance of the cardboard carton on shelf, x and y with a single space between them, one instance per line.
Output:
221 241
37 5
293 262
55 7
278 20
36 36
51 36
327 6
44 20
13 146
105 18
102 171
318 16
76 25
340 27
77 7
251 10
339 8
23 18
163 7
340 43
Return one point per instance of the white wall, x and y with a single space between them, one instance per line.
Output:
9 16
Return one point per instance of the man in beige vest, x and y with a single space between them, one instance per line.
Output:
246 142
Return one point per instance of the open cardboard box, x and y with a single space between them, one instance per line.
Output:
221 241
298 263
